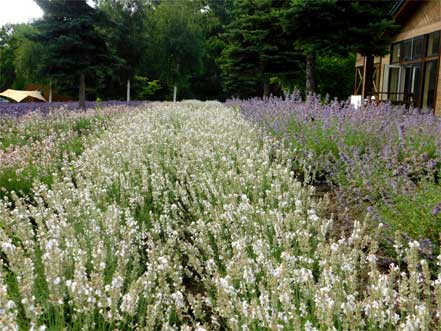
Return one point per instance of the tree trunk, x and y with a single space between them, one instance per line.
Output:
175 91
128 91
368 74
50 91
311 86
82 94
266 89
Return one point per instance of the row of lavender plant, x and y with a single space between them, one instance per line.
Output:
24 108
384 157
35 146
184 217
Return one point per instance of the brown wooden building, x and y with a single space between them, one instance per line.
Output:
411 73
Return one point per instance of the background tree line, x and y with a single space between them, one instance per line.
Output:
204 49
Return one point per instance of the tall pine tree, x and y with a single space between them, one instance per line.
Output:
336 27
257 48
75 48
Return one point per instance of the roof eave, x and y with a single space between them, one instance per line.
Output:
396 7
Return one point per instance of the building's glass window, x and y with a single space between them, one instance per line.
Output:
406 50
385 83
394 84
417 48
395 54
413 71
412 83
433 43
431 68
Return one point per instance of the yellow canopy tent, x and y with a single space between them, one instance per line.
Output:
19 96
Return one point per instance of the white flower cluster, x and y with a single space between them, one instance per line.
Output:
185 217
8 316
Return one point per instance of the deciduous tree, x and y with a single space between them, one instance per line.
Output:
177 40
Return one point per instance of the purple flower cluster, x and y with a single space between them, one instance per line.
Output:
24 108
378 155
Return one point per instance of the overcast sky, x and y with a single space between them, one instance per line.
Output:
18 11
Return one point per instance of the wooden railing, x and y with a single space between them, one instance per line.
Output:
399 98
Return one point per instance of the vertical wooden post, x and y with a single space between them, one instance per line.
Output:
175 87
50 91
380 80
363 83
128 91
437 101
82 93
355 80
368 71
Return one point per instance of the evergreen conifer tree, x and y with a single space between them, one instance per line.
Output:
75 48
257 48
336 27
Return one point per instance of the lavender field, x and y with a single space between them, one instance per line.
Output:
24 108
256 215
382 159
37 139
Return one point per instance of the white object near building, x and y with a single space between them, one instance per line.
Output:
356 101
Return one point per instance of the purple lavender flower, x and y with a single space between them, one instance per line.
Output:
24 108
437 209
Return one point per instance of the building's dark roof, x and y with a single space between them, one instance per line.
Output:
402 9
396 7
